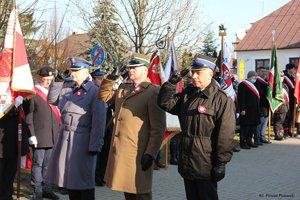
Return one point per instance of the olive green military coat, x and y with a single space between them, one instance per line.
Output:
139 127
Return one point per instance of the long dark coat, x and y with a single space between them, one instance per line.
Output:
83 123
248 102
139 128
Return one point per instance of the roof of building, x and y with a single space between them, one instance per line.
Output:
286 23
74 45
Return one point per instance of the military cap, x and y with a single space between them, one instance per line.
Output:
202 61
79 63
46 71
97 73
138 60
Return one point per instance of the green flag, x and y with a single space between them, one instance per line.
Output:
275 91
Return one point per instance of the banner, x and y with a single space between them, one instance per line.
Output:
171 66
226 81
297 83
274 92
155 70
15 74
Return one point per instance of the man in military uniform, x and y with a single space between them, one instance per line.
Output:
43 121
207 119
139 128
73 160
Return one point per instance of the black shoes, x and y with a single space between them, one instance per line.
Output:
252 145
63 190
236 149
244 146
50 195
265 141
100 183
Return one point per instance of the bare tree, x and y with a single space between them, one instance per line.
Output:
143 22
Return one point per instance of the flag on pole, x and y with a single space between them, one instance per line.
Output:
297 84
226 82
274 92
155 70
15 75
171 66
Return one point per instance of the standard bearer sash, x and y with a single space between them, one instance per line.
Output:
40 91
289 82
252 87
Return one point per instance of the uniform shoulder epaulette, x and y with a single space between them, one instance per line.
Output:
224 92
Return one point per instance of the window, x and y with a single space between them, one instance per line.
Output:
294 61
262 62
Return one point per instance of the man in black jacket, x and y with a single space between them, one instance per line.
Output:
9 151
207 119
261 84
289 80
43 122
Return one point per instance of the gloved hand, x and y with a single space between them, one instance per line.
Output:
218 172
147 162
33 141
93 153
177 76
61 76
117 72
18 101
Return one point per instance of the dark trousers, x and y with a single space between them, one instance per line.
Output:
246 134
39 169
8 169
88 194
288 121
102 158
200 190
145 196
278 120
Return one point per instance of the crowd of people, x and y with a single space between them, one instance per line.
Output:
91 129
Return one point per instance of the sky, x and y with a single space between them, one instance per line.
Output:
234 14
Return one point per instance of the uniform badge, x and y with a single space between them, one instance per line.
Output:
137 89
201 109
79 93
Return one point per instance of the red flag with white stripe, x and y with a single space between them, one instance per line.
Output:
155 70
15 75
297 83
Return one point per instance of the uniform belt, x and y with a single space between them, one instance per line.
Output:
75 128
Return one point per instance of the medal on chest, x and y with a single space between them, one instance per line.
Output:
79 93
201 109
137 89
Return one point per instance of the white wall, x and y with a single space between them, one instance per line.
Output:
249 58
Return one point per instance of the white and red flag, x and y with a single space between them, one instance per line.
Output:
171 66
226 81
15 75
155 71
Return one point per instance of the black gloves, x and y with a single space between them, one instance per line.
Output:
177 76
61 76
218 172
117 72
147 162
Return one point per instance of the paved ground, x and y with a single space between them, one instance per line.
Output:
269 172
